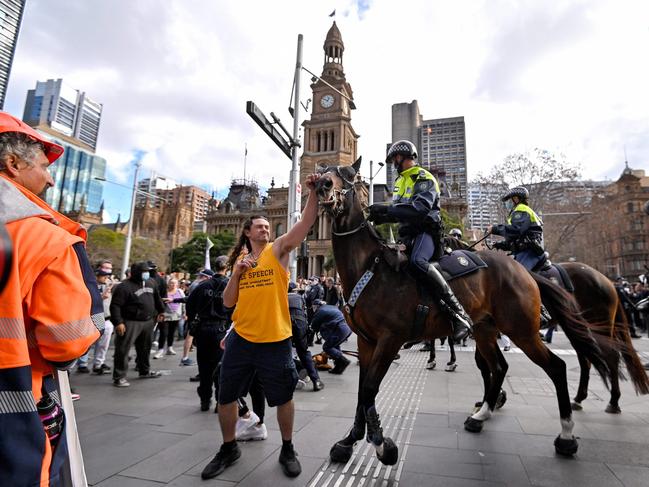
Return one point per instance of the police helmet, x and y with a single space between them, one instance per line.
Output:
455 232
403 147
519 191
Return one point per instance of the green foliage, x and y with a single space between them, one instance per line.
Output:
104 243
451 221
191 256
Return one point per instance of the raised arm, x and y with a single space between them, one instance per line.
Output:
290 240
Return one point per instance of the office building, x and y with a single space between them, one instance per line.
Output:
58 109
11 14
78 176
484 206
441 143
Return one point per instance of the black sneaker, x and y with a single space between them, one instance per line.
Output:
205 405
121 383
220 462
97 370
290 463
151 374
82 369
317 385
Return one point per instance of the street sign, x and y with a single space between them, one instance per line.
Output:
257 115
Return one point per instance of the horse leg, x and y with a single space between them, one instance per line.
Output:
451 365
386 450
584 377
564 444
342 450
613 362
486 376
488 346
431 356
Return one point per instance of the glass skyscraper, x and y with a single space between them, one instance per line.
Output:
75 176
11 13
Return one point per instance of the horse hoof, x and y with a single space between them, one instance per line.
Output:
576 406
502 399
450 367
613 409
341 453
390 452
473 425
566 447
431 365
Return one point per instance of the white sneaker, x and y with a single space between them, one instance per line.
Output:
171 351
154 345
300 384
244 423
254 433
159 354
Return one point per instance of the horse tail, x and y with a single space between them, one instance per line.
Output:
631 360
563 308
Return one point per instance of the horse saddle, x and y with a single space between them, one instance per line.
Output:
558 275
456 264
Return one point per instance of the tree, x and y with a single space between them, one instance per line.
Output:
104 243
190 256
555 194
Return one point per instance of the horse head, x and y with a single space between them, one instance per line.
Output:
341 193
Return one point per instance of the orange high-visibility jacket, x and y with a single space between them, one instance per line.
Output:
50 314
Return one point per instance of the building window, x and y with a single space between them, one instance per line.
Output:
629 207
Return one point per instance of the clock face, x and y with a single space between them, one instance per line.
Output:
327 101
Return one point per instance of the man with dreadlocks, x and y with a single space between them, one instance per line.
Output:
260 341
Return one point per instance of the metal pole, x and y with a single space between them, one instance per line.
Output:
371 183
129 233
294 190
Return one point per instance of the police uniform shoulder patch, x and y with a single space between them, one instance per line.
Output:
463 261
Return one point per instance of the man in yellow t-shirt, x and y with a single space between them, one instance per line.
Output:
260 341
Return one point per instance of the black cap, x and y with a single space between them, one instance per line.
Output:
291 286
152 265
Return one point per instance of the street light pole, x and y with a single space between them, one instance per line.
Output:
372 176
294 189
129 233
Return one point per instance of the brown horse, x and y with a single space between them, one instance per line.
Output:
601 308
502 297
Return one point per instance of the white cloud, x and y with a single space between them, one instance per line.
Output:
569 76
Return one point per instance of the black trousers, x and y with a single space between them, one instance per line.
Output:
138 333
300 342
207 339
258 400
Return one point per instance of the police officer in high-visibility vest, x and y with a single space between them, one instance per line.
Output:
416 207
523 232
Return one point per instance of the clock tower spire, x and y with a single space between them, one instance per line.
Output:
329 138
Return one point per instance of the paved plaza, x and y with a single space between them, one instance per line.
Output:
153 434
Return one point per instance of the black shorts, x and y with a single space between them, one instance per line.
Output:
273 363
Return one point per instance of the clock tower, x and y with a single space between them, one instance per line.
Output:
329 138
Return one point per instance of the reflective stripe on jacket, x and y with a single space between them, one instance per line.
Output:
51 312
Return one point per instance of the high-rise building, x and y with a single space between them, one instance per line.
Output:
11 14
484 208
78 176
441 144
154 185
55 107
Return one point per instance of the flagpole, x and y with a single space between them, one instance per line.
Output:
245 159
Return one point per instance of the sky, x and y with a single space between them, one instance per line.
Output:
174 76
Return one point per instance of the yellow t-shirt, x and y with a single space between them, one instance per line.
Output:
261 314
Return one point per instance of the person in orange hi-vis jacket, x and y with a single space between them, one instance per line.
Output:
50 310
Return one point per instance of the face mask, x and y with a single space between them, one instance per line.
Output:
509 205
145 276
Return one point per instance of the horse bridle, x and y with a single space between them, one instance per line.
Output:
342 192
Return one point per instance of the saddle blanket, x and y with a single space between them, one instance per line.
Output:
460 263
559 276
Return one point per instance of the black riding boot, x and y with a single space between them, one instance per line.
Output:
545 317
460 320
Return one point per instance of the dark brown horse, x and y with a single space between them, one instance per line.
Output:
601 308
502 297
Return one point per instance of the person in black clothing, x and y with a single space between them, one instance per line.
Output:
297 309
330 323
332 295
209 321
624 294
159 280
134 309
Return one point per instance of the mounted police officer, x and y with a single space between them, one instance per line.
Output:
416 207
523 232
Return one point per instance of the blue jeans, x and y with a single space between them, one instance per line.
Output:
423 249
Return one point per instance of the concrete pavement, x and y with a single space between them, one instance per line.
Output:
153 434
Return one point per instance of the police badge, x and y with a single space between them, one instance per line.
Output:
462 261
